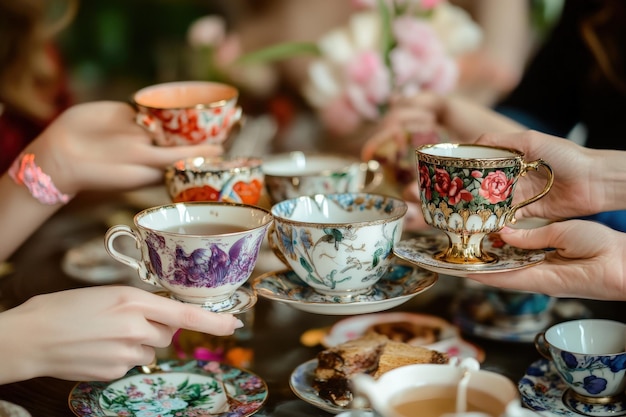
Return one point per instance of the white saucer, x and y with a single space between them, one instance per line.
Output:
241 301
422 249
89 262
447 338
398 285
543 391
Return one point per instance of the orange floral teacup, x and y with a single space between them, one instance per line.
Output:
217 178
187 112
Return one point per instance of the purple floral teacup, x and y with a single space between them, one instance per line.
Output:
467 191
590 356
200 252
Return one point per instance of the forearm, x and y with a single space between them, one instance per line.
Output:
20 215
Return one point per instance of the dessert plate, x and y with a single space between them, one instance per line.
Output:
185 389
398 285
430 331
543 391
301 383
422 249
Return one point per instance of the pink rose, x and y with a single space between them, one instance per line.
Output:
425 184
451 187
496 187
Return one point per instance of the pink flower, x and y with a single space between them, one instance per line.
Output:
207 31
368 83
451 187
496 187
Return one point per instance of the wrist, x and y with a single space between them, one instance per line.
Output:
25 172
612 178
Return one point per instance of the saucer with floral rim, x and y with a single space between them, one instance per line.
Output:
194 388
242 300
421 251
399 284
543 390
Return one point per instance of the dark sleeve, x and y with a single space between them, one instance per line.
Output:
546 98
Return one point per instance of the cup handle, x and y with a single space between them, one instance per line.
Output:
272 244
534 165
374 172
122 230
541 345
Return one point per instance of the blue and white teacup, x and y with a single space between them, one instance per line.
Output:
201 252
339 244
590 356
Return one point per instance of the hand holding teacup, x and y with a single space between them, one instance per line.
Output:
467 192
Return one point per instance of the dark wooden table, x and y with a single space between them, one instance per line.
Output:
276 332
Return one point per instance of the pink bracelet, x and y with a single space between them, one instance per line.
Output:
25 172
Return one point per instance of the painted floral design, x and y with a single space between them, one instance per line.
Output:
450 195
348 247
215 265
165 393
592 373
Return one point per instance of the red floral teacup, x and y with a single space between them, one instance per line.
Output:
187 112
467 192
229 179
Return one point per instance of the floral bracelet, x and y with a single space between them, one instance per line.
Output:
25 172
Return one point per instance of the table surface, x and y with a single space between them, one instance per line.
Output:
276 332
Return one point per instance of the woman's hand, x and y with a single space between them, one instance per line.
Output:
588 261
98 146
96 333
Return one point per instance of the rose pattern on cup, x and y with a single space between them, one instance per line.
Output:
466 191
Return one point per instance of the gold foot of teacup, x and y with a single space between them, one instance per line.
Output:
465 250
595 406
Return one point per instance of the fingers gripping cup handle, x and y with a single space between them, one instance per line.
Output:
534 165
121 230
541 345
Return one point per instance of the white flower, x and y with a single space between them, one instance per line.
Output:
456 29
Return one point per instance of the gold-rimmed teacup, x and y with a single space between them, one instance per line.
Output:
467 192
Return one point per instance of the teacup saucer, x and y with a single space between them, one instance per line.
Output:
543 391
397 286
421 250
241 301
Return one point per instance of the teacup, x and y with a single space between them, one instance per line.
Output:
187 112
430 390
339 244
294 174
467 192
201 252
590 356
229 179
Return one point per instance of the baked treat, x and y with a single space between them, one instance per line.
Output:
373 354
337 364
397 354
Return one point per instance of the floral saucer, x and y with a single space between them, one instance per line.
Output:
421 250
543 391
444 336
301 383
241 301
398 285
185 389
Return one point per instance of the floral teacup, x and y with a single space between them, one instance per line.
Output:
590 356
188 112
467 192
217 178
339 244
201 252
